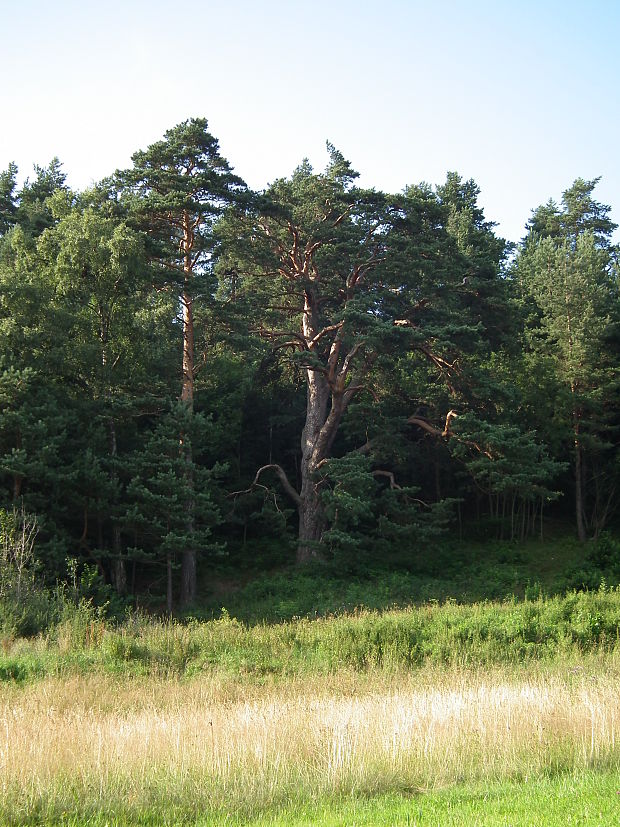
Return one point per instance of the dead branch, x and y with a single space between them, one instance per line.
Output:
342 216
297 339
283 479
432 429
309 252
447 433
329 329
390 475
439 361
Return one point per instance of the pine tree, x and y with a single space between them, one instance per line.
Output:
177 189
566 267
350 283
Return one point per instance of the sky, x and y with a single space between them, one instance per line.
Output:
522 96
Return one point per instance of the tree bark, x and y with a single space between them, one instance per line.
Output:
119 572
188 560
581 528
311 518
311 524
169 584
188 576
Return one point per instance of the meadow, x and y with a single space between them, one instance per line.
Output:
500 712
154 750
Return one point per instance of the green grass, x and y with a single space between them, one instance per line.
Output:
583 799
481 634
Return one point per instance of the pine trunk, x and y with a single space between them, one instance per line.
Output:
169 584
311 520
119 572
188 560
581 528
316 442
311 523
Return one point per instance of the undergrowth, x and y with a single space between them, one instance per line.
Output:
484 634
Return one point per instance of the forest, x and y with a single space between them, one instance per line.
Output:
198 378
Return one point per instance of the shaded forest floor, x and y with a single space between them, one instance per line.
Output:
270 590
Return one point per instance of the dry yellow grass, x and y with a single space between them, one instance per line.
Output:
208 744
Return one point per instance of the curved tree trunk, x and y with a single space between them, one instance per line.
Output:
316 443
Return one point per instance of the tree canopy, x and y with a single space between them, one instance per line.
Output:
192 372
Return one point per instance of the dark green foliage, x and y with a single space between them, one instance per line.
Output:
567 274
371 516
373 350
158 491
601 565
511 468
34 211
8 198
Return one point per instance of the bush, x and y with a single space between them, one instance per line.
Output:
25 607
601 565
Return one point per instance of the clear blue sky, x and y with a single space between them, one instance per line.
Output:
520 95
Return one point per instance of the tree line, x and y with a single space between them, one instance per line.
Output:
189 369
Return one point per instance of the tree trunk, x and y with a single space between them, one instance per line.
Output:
311 523
188 576
581 528
311 518
188 560
119 573
187 389
169 584
189 579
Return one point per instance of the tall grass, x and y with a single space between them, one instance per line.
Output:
92 745
161 721
478 635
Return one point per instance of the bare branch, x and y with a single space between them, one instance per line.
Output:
390 476
296 338
342 216
439 361
447 433
426 426
354 388
432 429
342 374
283 479
395 487
309 252
329 329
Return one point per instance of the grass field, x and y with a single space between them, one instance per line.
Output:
534 744
490 713
580 799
